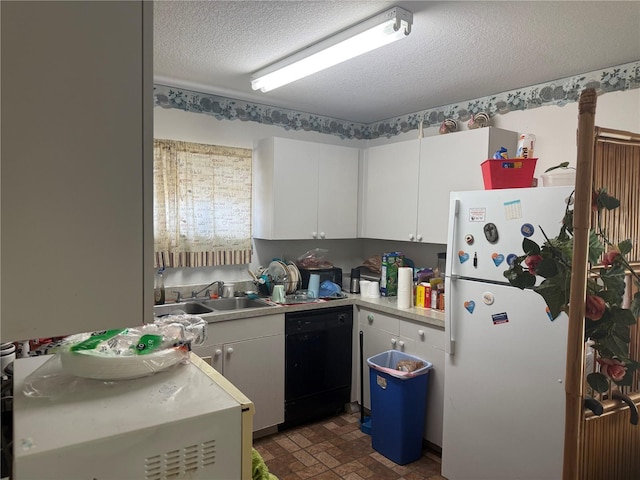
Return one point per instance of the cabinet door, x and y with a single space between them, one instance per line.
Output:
450 163
77 115
380 333
295 191
337 191
256 368
212 354
428 343
390 197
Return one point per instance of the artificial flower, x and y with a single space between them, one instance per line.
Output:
595 308
612 368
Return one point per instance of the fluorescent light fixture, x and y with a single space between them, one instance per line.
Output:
375 32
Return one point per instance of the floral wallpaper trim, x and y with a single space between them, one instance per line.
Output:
558 92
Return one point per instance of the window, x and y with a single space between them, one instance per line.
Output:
202 204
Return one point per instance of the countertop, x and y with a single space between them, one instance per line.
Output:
387 305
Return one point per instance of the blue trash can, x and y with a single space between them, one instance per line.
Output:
398 406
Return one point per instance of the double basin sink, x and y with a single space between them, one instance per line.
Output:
201 306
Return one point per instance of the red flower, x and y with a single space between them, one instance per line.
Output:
613 369
595 307
532 262
610 256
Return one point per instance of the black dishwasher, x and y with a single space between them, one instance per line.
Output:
318 351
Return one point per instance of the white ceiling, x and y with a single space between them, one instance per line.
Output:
456 51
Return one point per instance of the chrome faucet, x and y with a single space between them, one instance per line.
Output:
194 294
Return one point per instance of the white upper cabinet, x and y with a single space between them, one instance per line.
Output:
451 163
304 190
77 140
390 191
407 184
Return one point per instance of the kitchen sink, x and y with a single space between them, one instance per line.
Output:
192 308
235 303
196 307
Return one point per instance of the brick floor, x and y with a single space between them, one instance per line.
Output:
335 448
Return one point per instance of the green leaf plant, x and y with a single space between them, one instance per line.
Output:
607 323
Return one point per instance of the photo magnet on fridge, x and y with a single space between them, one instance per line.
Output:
499 318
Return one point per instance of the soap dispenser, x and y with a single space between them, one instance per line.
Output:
158 287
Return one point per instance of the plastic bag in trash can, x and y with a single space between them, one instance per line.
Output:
390 360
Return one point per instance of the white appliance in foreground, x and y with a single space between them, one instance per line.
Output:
505 364
185 422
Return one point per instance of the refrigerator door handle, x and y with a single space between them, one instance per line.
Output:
454 209
450 343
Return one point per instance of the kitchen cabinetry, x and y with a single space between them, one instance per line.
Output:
390 193
250 354
383 332
407 184
450 163
77 140
304 190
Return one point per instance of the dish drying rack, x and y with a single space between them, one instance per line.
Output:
278 273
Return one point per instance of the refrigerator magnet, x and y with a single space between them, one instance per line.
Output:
527 230
488 298
546 309
469 239
491 232
511 258
499 318
513 210
477 214
470 306
463 256
497 258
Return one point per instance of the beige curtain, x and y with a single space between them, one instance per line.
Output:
616 165
202 204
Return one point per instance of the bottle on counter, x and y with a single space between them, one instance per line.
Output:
158 287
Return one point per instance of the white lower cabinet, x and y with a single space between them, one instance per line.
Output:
250 354
383 332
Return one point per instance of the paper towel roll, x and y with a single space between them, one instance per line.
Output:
374 289
405 287
364 288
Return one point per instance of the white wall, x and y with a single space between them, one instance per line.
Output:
555 129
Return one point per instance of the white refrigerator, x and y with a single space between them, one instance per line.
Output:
505 362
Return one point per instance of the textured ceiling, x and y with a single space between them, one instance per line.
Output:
456 51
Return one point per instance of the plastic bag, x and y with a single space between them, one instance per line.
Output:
373 263
118 354
314 259
329 289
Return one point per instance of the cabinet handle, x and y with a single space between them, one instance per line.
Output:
393 341
401 345
421 333
321 234
411 237
229 350
218 352
370 318
419 238
314 234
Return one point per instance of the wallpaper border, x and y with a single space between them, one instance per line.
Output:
558 92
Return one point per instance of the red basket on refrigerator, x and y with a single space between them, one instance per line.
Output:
508 173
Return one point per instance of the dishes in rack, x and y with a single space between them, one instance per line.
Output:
295 279
278 273
286 274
